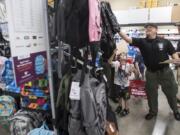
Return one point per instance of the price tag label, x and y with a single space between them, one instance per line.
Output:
75 91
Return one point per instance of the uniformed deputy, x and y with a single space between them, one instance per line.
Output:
155 50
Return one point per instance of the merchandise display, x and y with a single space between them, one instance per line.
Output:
94 21
7 75
71 67
22 122
35 95
94 98
2 65
7 106
31 97
93 106
110 27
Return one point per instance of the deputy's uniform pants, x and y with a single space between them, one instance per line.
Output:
165 78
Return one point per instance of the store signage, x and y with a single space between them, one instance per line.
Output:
29 68
28 38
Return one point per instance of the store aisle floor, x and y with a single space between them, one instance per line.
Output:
3 131
135 124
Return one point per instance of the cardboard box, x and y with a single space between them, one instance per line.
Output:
142 4
175 14
149 3
154 3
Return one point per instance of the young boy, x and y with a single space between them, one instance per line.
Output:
123 71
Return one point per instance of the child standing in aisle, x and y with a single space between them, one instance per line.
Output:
123 71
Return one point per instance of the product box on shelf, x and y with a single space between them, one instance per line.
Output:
148 3
154 3
175 14
151 3
142 4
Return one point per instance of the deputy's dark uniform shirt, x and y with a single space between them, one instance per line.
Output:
154 51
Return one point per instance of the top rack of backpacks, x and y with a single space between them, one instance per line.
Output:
82 35
80 39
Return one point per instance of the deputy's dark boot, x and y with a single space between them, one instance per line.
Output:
150 116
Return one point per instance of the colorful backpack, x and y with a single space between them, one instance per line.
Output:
7 106
7 75
35 95
2 65
13 88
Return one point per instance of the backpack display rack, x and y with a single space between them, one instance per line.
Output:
93 96
83 121
88 115
24 120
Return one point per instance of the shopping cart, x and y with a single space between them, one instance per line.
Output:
137 88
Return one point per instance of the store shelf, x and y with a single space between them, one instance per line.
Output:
138 17
160 14
168 34
3 22
143 24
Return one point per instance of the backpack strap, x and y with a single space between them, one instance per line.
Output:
44 126
94 123
84 69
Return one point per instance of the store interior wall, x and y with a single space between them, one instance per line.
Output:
127 4
2 1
